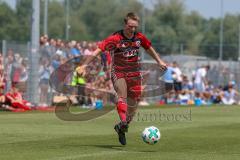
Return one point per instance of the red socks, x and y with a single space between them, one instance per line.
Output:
122 109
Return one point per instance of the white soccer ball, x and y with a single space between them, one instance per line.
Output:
151 135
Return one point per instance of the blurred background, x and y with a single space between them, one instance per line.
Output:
38 36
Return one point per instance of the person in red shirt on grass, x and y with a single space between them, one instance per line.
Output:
15 99
2 85
124 46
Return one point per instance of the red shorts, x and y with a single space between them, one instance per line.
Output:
134 83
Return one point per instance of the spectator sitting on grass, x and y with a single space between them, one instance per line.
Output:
15 99
184 97
229 96
198 101
216 97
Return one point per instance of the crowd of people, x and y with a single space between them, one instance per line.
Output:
55 52
196 89
14 72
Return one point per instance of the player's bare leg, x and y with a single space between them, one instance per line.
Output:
120 87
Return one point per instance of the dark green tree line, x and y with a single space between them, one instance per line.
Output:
168 24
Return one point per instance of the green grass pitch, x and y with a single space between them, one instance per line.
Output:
187 133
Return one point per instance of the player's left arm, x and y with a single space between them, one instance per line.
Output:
151 51
147 45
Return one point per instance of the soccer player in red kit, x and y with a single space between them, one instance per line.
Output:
126 77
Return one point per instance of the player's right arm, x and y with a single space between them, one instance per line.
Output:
107 44
81 69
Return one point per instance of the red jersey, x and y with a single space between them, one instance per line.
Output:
15 95
124 51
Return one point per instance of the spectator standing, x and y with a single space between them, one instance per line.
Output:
200 79
168 76
177 77
44 72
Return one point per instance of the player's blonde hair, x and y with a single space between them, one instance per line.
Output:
132 16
